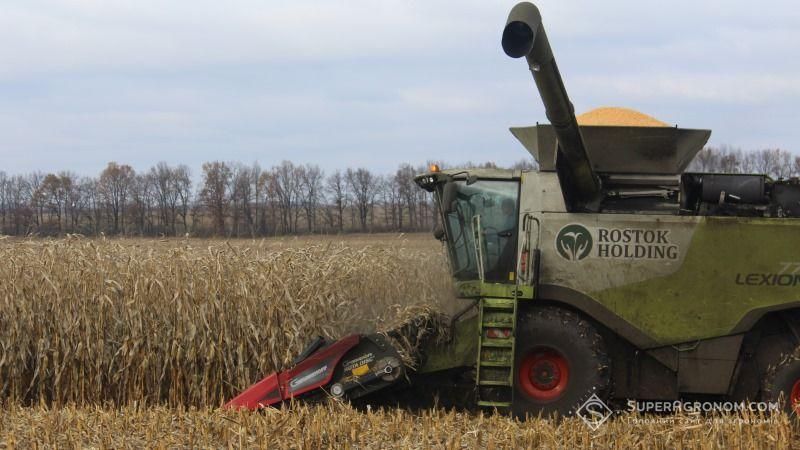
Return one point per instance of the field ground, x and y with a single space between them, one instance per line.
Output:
338 426
135 343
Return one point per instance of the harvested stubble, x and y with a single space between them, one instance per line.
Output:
338 426
189 322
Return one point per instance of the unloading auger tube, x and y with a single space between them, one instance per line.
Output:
524 35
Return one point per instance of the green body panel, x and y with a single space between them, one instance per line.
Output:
461 351
709 278
718 283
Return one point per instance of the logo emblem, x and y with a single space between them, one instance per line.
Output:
306 378
594 412
574 242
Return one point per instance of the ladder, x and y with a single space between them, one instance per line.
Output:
495 366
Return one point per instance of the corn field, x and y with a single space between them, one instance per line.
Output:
136 343
190 322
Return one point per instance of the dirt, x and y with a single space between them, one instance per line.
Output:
615 116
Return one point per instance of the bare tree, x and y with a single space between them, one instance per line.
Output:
730 160
363 185
141 193
19 203
75 201
243 197
311 179
32 185
259 224
284 186
114 186
4 190
392 205
525 164
408 191
72 194
785 165
705 160
267 200
339 197
214 194
166 193
182 178
91 198
53 194
764 161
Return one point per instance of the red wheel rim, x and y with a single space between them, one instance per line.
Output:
794 397
543 375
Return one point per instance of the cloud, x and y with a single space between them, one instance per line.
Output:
113 34
366 81
447 99
746 89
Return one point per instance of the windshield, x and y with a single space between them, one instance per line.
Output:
495 202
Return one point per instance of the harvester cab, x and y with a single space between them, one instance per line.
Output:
479 212
609 272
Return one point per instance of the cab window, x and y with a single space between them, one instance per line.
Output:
496 203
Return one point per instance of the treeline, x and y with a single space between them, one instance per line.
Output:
230 199
237 200
776 163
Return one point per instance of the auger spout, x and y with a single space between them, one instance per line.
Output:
524 35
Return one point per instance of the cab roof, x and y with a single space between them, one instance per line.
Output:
501 174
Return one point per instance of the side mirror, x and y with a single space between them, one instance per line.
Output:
448 196
438 232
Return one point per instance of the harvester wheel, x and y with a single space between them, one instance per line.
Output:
560 362
782 383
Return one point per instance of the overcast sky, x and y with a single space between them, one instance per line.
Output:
370 83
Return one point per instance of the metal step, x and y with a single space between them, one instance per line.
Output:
497 325
505 343
496 355
496 364
494 383
499 303
487 404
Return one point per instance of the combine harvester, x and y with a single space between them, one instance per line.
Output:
609 271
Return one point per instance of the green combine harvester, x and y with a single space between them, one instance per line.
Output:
609 272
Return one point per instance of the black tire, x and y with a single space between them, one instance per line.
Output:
547 337
782 383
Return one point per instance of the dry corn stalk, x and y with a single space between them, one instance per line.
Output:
190 322
420 326
338 426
